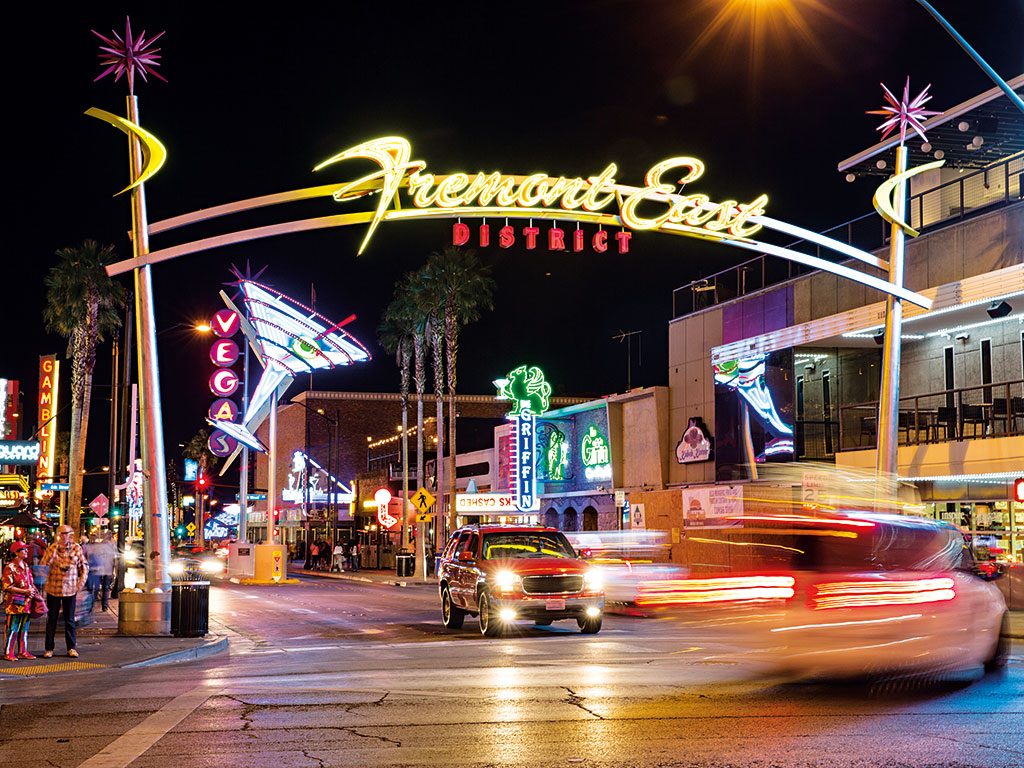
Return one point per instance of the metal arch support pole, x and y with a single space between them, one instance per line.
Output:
887 459
157 535
993 75
272 470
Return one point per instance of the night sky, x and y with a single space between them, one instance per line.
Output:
256 99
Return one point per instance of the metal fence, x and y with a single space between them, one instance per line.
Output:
986 410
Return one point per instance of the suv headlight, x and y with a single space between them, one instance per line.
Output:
507 581
211 566
176 568
593 581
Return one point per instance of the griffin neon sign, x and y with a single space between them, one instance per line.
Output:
530 395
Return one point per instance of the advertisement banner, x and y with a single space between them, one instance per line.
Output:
712 506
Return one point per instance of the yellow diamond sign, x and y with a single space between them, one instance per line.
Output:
423 500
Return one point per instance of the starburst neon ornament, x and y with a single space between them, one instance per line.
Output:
903 113
129 55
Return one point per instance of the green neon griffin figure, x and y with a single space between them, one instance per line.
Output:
527 389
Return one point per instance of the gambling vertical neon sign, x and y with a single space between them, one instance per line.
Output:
49 388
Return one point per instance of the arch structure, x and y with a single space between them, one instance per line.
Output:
404 190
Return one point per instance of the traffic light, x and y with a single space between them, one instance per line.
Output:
180 531
1018 490
277 519
202 482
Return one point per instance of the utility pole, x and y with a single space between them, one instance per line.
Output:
627 336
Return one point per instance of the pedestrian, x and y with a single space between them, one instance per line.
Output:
353 553
68 570
314 555
18 593
338 557
101 556
325 553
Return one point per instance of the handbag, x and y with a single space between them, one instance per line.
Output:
37 607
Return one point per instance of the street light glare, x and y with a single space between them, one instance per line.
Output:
203 327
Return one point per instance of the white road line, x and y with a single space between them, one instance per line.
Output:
134 743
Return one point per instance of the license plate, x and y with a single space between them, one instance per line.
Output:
554 605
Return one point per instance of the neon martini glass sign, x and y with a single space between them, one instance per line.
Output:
291 339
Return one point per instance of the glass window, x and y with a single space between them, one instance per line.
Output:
522 544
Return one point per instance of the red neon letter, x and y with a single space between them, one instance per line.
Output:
577 240
600 241
460 233
530 233
485 235
623 238
556 239
506 237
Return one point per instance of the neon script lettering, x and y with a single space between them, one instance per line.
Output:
498 194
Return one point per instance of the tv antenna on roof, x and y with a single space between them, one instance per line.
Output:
627 336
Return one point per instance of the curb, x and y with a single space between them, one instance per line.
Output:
213 646
366 580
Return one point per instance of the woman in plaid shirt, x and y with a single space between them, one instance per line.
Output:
68 570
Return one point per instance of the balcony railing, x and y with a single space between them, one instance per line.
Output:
964 196
987 410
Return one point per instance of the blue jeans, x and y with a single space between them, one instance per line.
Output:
55 603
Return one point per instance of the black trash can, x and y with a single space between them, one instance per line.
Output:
405 564
190 608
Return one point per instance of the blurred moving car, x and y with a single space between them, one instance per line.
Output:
504 573
847 594
195 564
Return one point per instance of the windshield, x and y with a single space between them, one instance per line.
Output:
522 544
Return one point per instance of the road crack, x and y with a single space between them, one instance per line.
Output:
577 701
247 711
319 761
354 732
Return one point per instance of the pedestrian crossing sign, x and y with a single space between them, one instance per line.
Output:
423 500
191 528
424 518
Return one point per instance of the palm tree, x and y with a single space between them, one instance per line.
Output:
464 287
82 305
432 308
396 337
198 449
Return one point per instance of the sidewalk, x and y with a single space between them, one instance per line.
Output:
101 647
367 576
1016 625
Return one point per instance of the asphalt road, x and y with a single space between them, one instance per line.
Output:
339 673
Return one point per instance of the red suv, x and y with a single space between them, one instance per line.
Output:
503 573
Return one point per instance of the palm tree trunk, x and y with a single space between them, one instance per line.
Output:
437 341
76 452
451 339
419 342
405 373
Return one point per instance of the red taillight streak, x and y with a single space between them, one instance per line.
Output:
853 594
731 589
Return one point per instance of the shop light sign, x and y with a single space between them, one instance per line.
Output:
530 395
19 451
49 388
595 456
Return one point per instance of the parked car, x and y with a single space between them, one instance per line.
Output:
502 573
